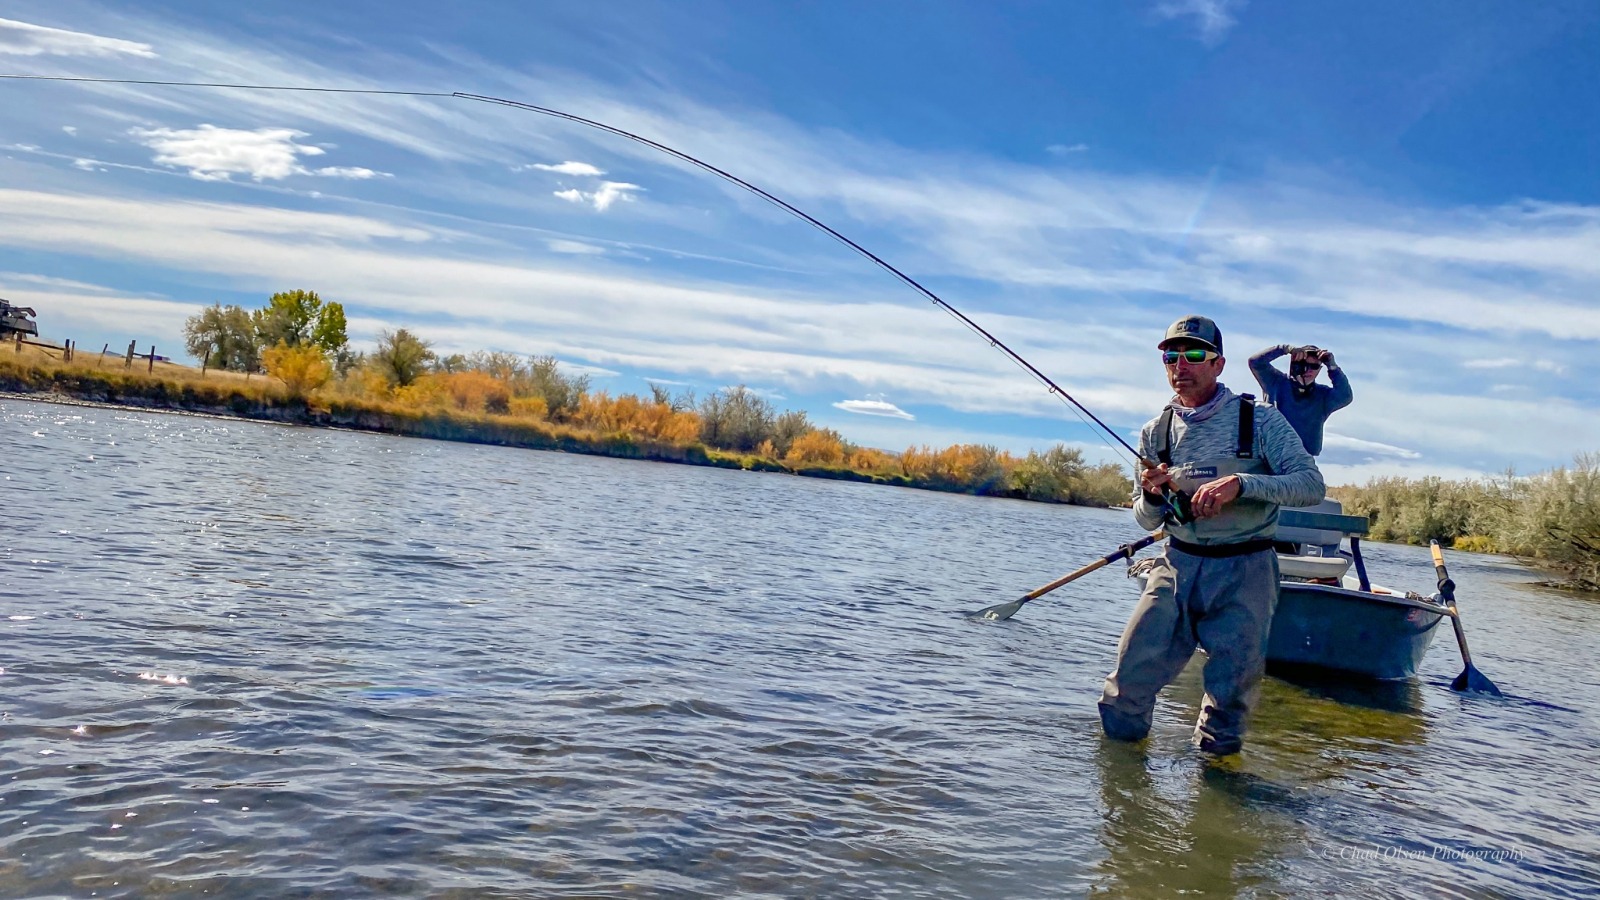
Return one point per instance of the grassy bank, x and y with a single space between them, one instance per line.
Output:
475 408
1550 520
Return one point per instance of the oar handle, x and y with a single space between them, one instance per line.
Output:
1447 587
1122 552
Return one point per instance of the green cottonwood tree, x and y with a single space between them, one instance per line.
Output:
223 336
401 356
301 317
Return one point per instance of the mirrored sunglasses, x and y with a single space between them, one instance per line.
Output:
1194 356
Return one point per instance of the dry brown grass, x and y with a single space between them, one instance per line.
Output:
112 361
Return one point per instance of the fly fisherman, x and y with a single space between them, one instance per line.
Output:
1306 404
1226 465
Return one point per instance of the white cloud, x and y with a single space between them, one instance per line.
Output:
1506 362
612 191
574 247
216 154
1066 149
88 165
1403 291
1332 441
24 39
570 168
609 193
70 129
1213 18
874 408
356 172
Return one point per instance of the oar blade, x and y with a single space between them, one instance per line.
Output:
1000 612
1474 682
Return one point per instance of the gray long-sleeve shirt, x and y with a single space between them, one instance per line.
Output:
1308 413
1291 478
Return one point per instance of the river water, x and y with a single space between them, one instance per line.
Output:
250 660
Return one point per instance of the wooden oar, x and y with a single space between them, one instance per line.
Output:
1470 678
1007 610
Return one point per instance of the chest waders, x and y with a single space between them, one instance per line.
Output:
1219 596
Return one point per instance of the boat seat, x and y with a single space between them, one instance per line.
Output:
1313 568
1323 525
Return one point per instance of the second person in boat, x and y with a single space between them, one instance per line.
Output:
1306 404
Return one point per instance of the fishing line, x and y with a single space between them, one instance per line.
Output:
995 342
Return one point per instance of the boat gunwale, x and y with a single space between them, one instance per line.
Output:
1347 593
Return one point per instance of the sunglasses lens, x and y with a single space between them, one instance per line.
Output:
1193 357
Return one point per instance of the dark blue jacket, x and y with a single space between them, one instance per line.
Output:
1306 413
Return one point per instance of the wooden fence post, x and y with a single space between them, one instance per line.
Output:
127 363
152 358
102 355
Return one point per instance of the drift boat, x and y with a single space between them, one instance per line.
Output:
1330 616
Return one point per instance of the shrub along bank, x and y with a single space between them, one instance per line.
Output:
1550 520
535 406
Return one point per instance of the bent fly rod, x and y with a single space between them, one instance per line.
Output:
676 154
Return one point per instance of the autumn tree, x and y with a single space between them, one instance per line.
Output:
222 336
561 393
822 446
301 317
302 369
1056 474
736 418
401 356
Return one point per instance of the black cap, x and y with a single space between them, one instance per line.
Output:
1194 330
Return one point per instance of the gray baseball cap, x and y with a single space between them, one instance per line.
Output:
1195 330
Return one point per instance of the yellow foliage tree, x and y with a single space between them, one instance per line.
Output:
477 392
366 383
301 369
628 413
425 392
866 459
820 447
530 407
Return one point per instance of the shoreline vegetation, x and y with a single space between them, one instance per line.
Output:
493 398
1550 521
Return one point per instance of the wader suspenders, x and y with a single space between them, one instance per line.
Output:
1247 427
1244 449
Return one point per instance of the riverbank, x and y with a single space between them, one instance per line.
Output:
108 383
1549 521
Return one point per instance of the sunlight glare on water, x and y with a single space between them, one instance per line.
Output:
243 659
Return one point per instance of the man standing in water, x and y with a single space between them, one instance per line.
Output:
1306 404
1225 466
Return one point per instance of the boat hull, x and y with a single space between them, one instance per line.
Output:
1349 631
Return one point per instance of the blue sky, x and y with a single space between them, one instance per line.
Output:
1410 185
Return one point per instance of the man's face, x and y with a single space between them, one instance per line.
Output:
1305 372
1190 378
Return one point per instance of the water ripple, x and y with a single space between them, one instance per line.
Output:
246 660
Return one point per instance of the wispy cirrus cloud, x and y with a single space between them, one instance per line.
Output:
558 245
603 197
874 408
1507 362
569 168
1098 260
1333 442
1213 19
26 39
216 154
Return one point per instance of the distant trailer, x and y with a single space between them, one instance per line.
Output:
15 320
